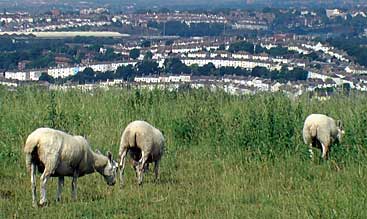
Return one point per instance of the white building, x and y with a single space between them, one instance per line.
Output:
197 55
21 76
8 84
298 49
247 64
241 55
163 79
34 75
355 70
64 72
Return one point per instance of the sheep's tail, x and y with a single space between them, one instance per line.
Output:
29 149
127 141
313 131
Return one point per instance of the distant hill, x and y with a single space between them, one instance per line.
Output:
175 4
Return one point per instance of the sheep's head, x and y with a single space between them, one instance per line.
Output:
110 170
341 131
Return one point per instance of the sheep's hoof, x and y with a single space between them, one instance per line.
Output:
43 204
35 205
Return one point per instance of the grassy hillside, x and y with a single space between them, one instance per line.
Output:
227 156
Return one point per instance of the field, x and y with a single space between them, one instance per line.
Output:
226 156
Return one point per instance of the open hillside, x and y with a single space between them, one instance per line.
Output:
226 156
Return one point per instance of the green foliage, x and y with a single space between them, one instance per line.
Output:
46 77
148 55
175 66
145 43
169 43
125 72
147 67
241 46
355 47
278 51
85 76
41 53
194 29
134 53
109 55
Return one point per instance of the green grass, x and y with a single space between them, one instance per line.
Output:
226 156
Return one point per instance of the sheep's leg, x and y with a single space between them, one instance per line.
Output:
156 170
135 166
50 166
74 185
122 165
33 181
44 178
324 151
144 158
310 150
59 188
146 167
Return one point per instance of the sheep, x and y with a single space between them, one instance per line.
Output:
58 154
145 144
322 131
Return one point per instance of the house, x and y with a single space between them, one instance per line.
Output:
241 55
355 70
20 75
197 54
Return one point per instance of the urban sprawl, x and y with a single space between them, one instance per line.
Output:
238 51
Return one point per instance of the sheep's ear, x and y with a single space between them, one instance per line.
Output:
98 151
339 123
109 155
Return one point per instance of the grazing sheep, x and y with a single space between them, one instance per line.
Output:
145 144
57 154
322 131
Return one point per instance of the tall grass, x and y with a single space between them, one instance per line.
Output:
227 156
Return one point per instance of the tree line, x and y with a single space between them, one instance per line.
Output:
355 47
41 53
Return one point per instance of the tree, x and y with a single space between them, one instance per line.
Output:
147 67
232 71
245 46
88 75
104 76
125 72
46 77
134 53
297 74
313 56
346 88
169 43
145 43
278 51
148 55
259 71
208 69
175 66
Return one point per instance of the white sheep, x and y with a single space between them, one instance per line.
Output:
58 154
145 144
322 131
